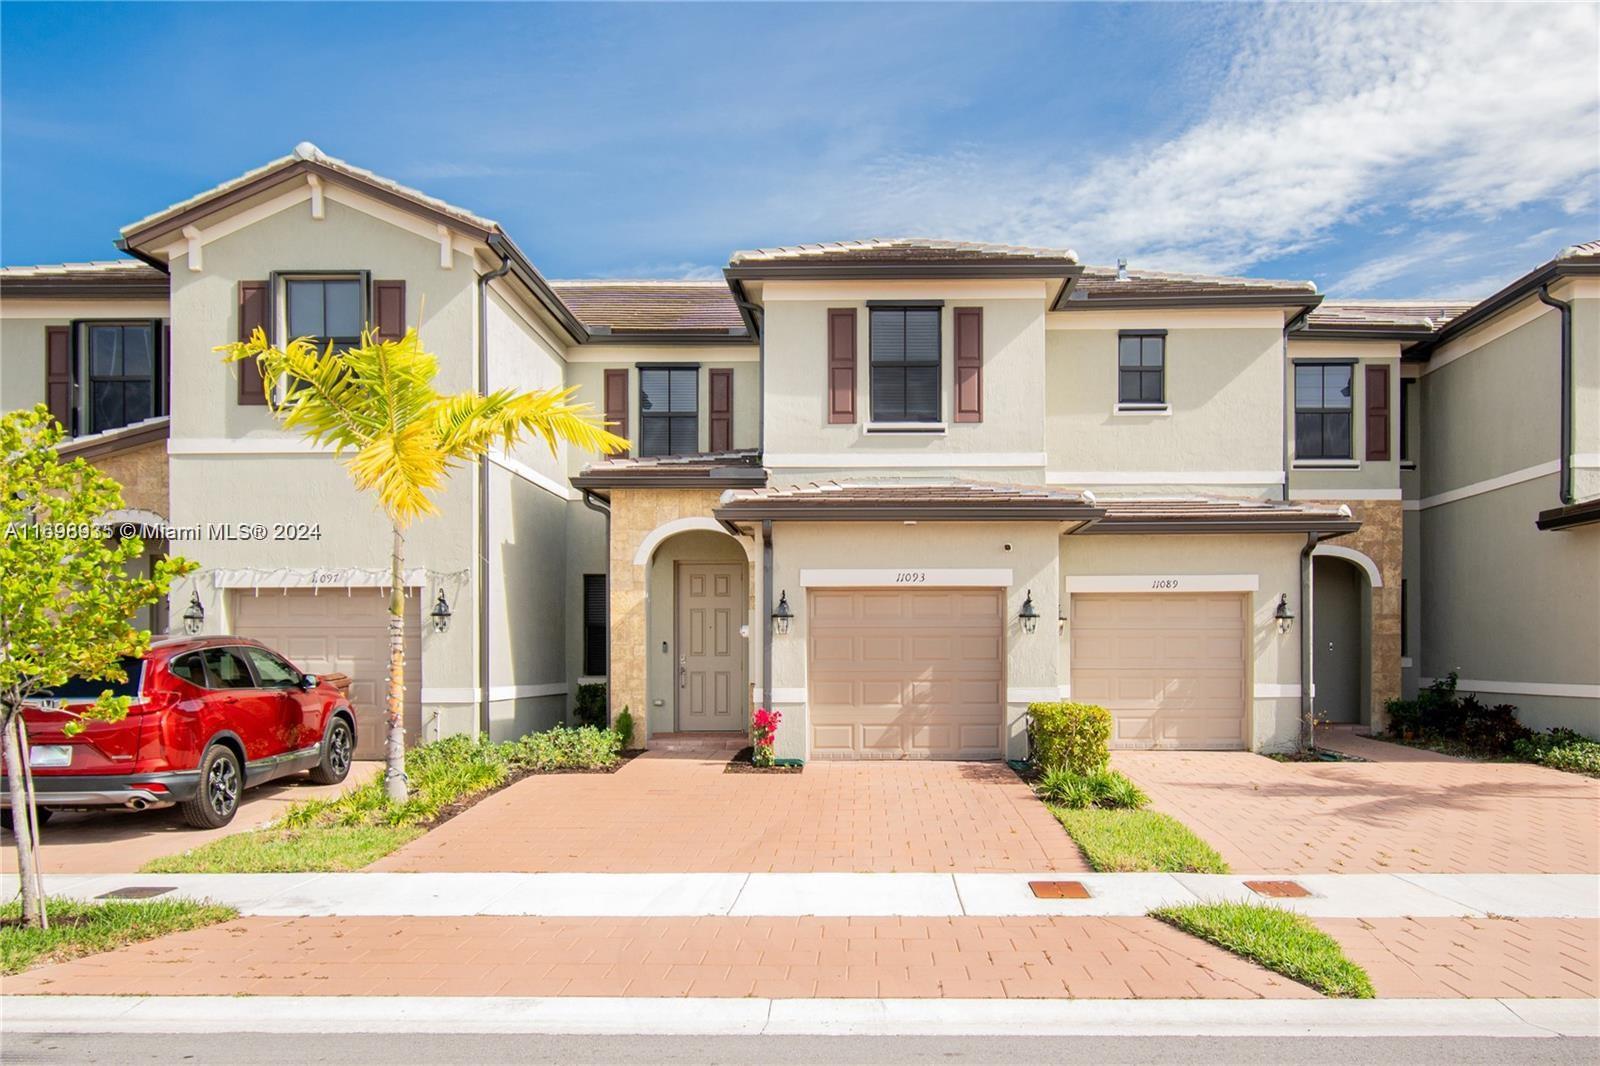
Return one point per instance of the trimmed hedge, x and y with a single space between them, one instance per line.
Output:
1073 735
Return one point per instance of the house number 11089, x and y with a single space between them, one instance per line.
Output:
1164 583
910 577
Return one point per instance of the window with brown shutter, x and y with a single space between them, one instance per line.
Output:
616 390
58 374
1377 383
841 364
969 364
389 309
721 410
254 313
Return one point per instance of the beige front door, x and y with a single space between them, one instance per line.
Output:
346 632
1170 667
907 673
711 654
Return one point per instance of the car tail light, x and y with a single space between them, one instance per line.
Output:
152 786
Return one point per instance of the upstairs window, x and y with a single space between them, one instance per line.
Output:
1141 369
123 369
905 364
1322 406
325 309
669 410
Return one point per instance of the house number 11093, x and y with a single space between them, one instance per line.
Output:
910 577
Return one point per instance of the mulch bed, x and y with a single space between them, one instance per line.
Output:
743 763
1314 755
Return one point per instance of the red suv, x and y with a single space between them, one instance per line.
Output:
211 716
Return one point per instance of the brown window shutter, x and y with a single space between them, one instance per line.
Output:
389 309
969 364
1377 384
253 315
58 373
721 410
617 404
841 364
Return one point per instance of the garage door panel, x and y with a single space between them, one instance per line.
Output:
932 648
877 694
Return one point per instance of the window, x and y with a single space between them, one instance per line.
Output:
594 625
1404 628
82 688
272 671
225 668
325 309
1141 369
1322 410
122 374
189 669
669 410
1407 388
905 364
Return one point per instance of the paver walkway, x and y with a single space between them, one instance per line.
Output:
1405 811
681 813
1474 957
772 957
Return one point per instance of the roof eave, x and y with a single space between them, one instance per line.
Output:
813 511
1307 300
1332 527
1570 516
1514 293
715 479
891 270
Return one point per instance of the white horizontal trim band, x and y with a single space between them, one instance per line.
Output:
527 473
1386 495
1164 477
1032 695
893 460
1524 688
789 695
232 446
1504 481
496 693
1164 583
906 577
1266 691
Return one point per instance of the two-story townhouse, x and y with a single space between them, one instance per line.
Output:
897 489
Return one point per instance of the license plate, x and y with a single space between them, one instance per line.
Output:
47 755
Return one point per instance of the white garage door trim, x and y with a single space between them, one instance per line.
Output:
1164 583
905 577
331 580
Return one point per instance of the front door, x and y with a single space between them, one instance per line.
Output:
711 654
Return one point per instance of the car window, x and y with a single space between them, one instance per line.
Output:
271 670
226 668
88 688
189 669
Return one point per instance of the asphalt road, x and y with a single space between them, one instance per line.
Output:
239 1049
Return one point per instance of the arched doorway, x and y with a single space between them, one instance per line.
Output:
697 644
1341 635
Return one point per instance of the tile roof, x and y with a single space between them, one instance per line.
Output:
1100 284
901 499
627 306
905 250
1586 250
741 467
1199 514
102 277
1422 316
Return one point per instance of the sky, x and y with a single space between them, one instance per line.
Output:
1380 151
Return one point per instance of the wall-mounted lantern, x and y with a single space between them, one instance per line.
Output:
782 616
440 613
1029 615
194 616
1282 613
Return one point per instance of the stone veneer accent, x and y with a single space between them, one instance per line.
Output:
1382 539
142 473
635 513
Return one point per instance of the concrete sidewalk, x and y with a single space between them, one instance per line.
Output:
850 895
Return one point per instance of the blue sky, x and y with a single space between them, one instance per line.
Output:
1387 151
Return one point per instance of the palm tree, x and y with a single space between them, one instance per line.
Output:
376 404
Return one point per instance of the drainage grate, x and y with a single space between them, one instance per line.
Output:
137 892
1059 889
1278 889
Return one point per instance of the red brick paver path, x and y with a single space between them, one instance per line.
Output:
777 957
682 813
1407 811
1474 957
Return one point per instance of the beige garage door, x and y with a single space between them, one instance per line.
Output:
335 632
1170 668
900 673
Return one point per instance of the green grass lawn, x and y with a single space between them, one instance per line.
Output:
1119 841
270 851
1280 940
78 928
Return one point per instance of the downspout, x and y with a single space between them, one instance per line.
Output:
483 498
766 613
593 502
1567 495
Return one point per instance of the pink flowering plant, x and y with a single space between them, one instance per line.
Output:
764 731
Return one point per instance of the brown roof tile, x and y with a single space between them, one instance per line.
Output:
1209 514
624 307
742 467
1101 285
1419 315
105 277
902 500
890 250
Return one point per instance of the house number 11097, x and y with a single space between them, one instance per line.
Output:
910 577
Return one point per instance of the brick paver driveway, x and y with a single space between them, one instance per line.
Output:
1405 811
667 812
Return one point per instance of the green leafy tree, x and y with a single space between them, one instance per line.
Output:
375 404
65 603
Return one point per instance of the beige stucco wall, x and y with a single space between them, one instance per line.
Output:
1007 445
1585 297
1224 380
22 359
1363 475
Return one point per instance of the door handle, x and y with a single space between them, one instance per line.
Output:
683 672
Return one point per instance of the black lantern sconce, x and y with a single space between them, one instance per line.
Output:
440 613
782 616
194 616
1282 613
1029 616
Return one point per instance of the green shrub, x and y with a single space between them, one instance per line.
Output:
1105 789
1561 749
624 729
1120 793
1074 735
590 708
1492 730
584 748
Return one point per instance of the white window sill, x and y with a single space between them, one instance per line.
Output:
1326 464
1408 464
906 427
1125 410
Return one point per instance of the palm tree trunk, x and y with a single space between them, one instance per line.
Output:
394 774
22 823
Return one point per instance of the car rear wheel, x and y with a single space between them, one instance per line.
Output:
338 747
220 785
5 817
